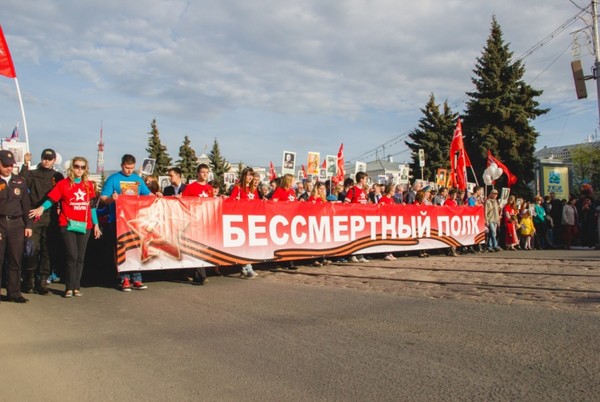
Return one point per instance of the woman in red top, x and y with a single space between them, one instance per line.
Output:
284 191
319 194
245 189
388 195
75 194
509 216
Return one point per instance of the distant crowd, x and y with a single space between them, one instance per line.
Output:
57 215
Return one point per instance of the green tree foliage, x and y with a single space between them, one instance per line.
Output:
499 113
586 165
188 160
158 151
433 135
218 164
241 167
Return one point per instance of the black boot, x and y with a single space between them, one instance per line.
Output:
42 287
28 282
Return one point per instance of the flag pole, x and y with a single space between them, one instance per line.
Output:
23 115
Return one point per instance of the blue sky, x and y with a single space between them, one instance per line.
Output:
266 76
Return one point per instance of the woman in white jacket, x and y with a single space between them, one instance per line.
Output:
569 221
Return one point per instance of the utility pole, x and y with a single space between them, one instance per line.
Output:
596 50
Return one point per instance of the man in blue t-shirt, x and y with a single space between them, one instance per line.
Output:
130 183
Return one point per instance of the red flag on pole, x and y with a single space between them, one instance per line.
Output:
459 160
7 67
340 165
512 179
324 164
272 173
304 172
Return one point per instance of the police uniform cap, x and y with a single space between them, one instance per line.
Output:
7 158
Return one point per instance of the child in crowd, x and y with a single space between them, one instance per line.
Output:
527 229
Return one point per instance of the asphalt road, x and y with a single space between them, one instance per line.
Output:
261 340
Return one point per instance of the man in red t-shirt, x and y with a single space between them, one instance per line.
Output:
199 188
451 200
357 194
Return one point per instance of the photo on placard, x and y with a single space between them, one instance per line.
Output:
381 179
360 167
504 194
470 187
313 163
300 175
441 177
18 150
164 182
331 165
519 203
288 164
148 166
229 178
322 175
404 171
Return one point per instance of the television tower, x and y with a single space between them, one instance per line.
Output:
100 158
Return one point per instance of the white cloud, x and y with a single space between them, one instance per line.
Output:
310 68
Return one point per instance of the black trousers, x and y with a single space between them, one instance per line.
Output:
40 258
12 241
75 246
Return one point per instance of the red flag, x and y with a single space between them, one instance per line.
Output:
512 179
7 67
324 164
304 172
459 160
272 173
340 165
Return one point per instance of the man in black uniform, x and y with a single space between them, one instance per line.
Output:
14 224
40 181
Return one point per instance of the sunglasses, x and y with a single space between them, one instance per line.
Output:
78 166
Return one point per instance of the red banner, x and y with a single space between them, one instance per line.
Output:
168 233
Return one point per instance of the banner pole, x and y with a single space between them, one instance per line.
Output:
23 115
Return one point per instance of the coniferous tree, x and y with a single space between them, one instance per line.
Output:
158 151
240 168
499 113
433 135
218 165
188 160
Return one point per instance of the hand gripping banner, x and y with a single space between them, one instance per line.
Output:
172 233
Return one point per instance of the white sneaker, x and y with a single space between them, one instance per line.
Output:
363 259
353 259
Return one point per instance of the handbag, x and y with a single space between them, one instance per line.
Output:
76 226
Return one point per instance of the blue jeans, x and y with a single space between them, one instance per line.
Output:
135 276
492 243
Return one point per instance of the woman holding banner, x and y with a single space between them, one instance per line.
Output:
245 189
76 220
284 192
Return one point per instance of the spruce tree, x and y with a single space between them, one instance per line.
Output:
433 135
218 165
188 160
499 114
158 151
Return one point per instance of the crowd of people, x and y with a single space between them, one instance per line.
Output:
42 206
